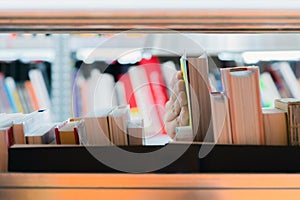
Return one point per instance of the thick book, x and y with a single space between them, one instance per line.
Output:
157 85
135 132
145 101
118 119
220 118
195 73
6 140
44 134
275 126
97 127
292 107
241 86
27 123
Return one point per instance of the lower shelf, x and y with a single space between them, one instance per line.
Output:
171 158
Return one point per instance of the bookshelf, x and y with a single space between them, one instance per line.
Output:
170 186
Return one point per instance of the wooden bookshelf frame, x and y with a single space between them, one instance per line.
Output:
144 186
198 21
164 186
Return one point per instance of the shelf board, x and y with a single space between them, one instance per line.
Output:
210 21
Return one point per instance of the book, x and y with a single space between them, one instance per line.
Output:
27 123
40 88
4 103
292 107
288 77
101 92
32 96
269 91
157 86
195 73
6 140
11 86
145 101
241 86
118 119
71 132
184 133
44 134
96 126
135 131
10 96
168 70
275 126
124 80
220 118
279 81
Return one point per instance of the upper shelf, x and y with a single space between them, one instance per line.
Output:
200 21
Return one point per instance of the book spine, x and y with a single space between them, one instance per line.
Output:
10 137
244 105
57 136
76 136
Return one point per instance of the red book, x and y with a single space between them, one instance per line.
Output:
129 93
157 85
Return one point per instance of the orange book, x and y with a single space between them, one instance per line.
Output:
71 132
32 95
241 86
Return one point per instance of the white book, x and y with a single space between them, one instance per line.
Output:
101 91
144 100
269 91
289 77
40 89
168 70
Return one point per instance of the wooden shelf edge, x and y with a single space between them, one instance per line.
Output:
152 181
151 21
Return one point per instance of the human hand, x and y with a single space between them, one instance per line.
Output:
176 108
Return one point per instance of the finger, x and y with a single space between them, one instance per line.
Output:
177 76
171 126
173 111
184 116
178 87
182 99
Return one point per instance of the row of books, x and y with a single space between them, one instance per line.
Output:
102 128
26 96
144 86
278 80
236 113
